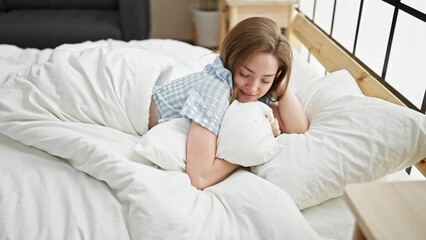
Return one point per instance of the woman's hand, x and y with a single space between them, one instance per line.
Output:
275 127
290 114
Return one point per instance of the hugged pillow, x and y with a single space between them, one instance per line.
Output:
352 138
245 138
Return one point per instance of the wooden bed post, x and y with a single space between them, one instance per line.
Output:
222 22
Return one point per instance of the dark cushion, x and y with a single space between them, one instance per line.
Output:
135 19
50 28
57 4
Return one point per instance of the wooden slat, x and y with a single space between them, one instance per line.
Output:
422 166
333 58
222 22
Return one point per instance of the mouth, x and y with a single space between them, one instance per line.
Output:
246 96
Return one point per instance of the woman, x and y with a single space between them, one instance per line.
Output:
254 64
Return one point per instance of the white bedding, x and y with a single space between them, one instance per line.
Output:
71 171
68 170
44 197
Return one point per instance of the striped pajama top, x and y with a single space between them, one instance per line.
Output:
202 97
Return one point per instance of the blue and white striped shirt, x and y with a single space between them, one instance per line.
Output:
202 97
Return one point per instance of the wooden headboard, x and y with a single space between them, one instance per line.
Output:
333 58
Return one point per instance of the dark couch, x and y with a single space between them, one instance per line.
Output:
50 23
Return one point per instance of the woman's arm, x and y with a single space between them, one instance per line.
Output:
203 168
290 114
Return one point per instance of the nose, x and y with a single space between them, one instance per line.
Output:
252 86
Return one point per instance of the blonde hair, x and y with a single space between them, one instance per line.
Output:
258 34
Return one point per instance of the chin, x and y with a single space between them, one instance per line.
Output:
244 100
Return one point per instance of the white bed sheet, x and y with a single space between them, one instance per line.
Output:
331 219
43 196
72 180
80 201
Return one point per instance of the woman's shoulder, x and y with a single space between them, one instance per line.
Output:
216 71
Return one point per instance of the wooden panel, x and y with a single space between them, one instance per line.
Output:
280 14
333 58
261 2
392 210
234 11
422 166
223 21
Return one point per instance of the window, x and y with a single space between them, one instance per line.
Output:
406 70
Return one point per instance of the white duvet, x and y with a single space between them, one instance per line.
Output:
76 114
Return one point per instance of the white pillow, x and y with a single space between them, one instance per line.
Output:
352 138
302 72
245 138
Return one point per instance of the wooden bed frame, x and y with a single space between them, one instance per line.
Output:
333 58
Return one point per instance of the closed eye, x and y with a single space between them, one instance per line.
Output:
267 80
245 75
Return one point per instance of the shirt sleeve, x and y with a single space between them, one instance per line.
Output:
207 103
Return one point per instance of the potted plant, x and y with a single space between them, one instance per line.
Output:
205 17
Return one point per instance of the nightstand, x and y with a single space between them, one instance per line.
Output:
388 210
234 11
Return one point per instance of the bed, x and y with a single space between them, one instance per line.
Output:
70 119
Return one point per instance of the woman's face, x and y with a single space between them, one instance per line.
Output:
255 77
